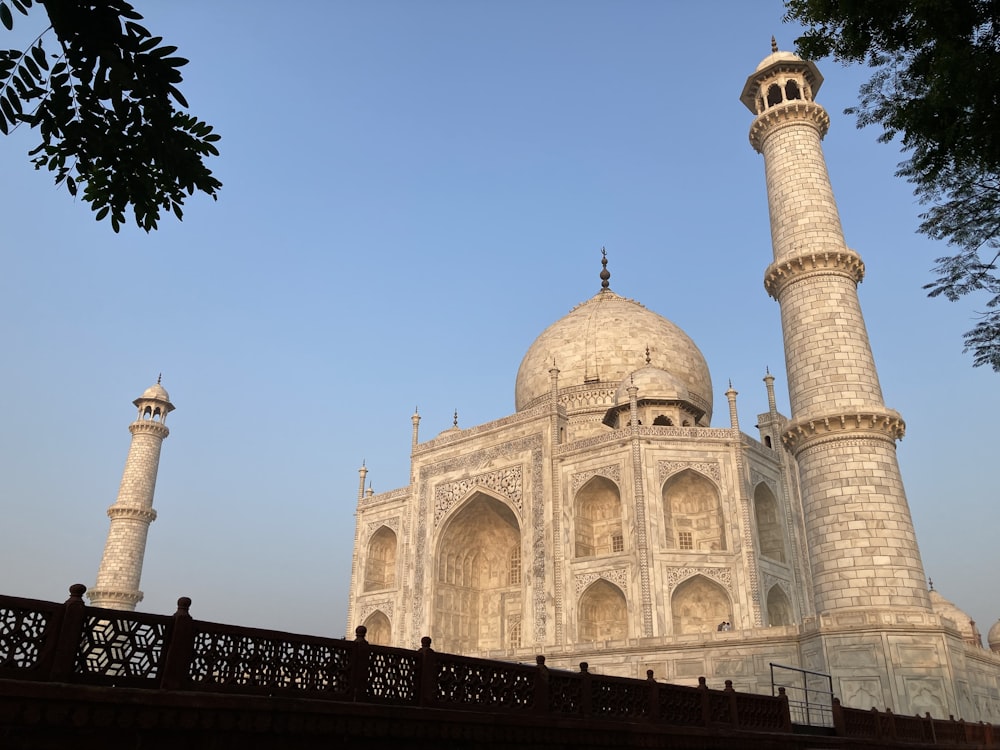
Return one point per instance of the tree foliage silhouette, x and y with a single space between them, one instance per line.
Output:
102 96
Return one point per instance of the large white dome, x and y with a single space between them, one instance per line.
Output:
604 339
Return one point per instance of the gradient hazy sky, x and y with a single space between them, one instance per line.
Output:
412 192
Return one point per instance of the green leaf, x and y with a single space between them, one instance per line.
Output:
33 67
5 16
164 51
8 112
39 56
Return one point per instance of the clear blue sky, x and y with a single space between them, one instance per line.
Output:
412 192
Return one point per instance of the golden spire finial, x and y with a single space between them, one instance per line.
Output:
605 273
774 45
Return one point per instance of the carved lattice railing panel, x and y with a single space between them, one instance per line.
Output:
392 676
760 711
860 723
565 693
719 711
626 699
23 633
909 728
271 661
486 684
122 648
679 705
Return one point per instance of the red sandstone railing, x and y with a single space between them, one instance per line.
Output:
76 644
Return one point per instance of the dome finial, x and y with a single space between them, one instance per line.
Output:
159 378
605 273
930 584
648 360
774 45
454 422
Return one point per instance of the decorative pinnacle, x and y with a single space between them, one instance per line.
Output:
605 273
454 422
774 45
930 584
648 360
159 378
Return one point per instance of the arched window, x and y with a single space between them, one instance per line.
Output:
767 440
792 91
698 605
379 629
598 518
471 607
380 565
693 513
663 420
769 532
779 609
773 95
603 613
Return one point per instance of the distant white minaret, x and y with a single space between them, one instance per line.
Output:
117 584
862 545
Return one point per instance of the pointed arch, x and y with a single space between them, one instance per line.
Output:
379 629
597 518
792 91
380 563
692 510
603 613
770 534
779 609
698 605
475 591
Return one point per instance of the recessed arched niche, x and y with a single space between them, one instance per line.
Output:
477 593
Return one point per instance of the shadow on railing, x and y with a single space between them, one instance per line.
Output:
73 643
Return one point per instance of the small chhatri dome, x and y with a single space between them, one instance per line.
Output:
156 391
993 637
784 69
945 609
600 342
654 384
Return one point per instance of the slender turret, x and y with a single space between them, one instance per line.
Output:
861 542
121 566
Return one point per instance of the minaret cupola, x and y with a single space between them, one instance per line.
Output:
781 78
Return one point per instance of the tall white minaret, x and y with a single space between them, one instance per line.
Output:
117 584
862 546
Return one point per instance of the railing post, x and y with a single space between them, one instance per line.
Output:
427 679
734 711
586 691
878 723
837 711
70 633
179 649
928 731
891 721
652 697
359 670
706 709
786 711
542 697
